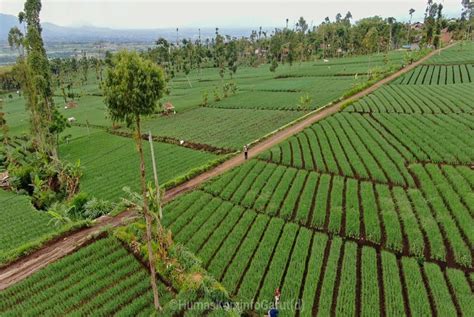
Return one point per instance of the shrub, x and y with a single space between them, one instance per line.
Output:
78 204
95 208
217 97
20 177
205 99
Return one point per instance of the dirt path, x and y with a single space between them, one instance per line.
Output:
55 250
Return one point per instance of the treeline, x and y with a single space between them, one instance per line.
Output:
301 42
337 37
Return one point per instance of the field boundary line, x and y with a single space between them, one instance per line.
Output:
24 267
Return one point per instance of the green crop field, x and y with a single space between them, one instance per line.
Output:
369 211
224 128
439 75
21 226
110 162
417 99
285 93
102 279
312 168
461 53
20 222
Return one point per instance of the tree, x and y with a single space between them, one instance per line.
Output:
439 15
302 25
132 89
84 65
15 40
429 26
34 75
390 21
370 40
348 16
220 54
410 12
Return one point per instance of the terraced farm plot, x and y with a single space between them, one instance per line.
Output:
90 109
285 94
461 53
438 75
396 218
417 99
353 65
102 279
377 146
367 212
224 128
21 225
110 162
257 253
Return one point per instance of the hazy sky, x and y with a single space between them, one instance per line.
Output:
223 13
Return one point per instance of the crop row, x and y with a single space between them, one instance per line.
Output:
431 138
417 99
398 219
256 254
101 279
20 223
346 144
457 54
343 206
438 75
110 162
454 217
284 94
219 127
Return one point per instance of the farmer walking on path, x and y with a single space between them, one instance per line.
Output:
246 151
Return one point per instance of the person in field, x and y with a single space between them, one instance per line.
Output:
273 312
246 151
277 296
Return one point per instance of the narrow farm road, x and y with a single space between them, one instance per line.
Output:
57 249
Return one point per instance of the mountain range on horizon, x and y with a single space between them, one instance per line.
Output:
55 33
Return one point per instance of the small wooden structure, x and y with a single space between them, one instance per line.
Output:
70 105
4 180
168 108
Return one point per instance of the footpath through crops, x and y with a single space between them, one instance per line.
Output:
368 212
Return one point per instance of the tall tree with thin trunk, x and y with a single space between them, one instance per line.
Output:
132 89
34 74
410 12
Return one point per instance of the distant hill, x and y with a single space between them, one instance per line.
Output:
56 33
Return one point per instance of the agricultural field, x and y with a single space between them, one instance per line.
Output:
110 162
312 168
459 54
417 99
368 212
22 227
103 279
223 128
439 75
284 93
